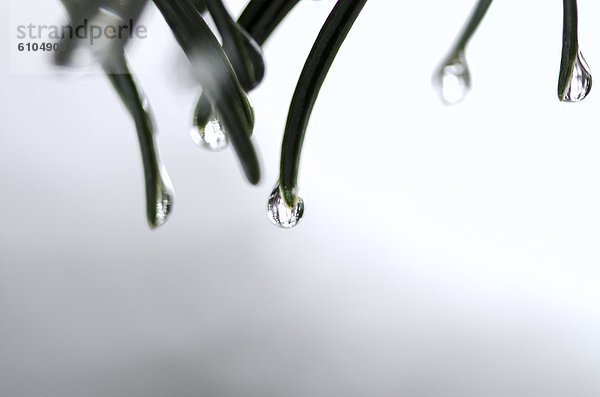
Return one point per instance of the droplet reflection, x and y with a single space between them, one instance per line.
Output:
164 194
453 80
210 136
280 214
580 83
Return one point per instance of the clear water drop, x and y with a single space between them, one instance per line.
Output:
580 83
164 199
280 214
210 136
453 80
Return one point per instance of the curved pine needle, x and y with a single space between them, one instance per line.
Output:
575 79
81 11
473 23
570 48
78 11
243 52
261 17
80 6
216 76
200 5
321 57
159 190
455 64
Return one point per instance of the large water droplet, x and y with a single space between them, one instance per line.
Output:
280 214
580 84
164 199
453 80
210 136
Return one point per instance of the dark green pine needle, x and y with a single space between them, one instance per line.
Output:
200 5
78 11
455 62
570 49
159 194
473 23
78 7
261 17
315 70
243 52
217 78
81 11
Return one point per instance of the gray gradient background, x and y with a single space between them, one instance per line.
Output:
444 252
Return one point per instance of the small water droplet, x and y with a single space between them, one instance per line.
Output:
580 84
210 136
453 80
280 214
164 199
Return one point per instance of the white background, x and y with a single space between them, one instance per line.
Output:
444 251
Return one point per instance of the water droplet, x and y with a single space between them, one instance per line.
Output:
280 214
210 136
164 199
580 83
453 80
